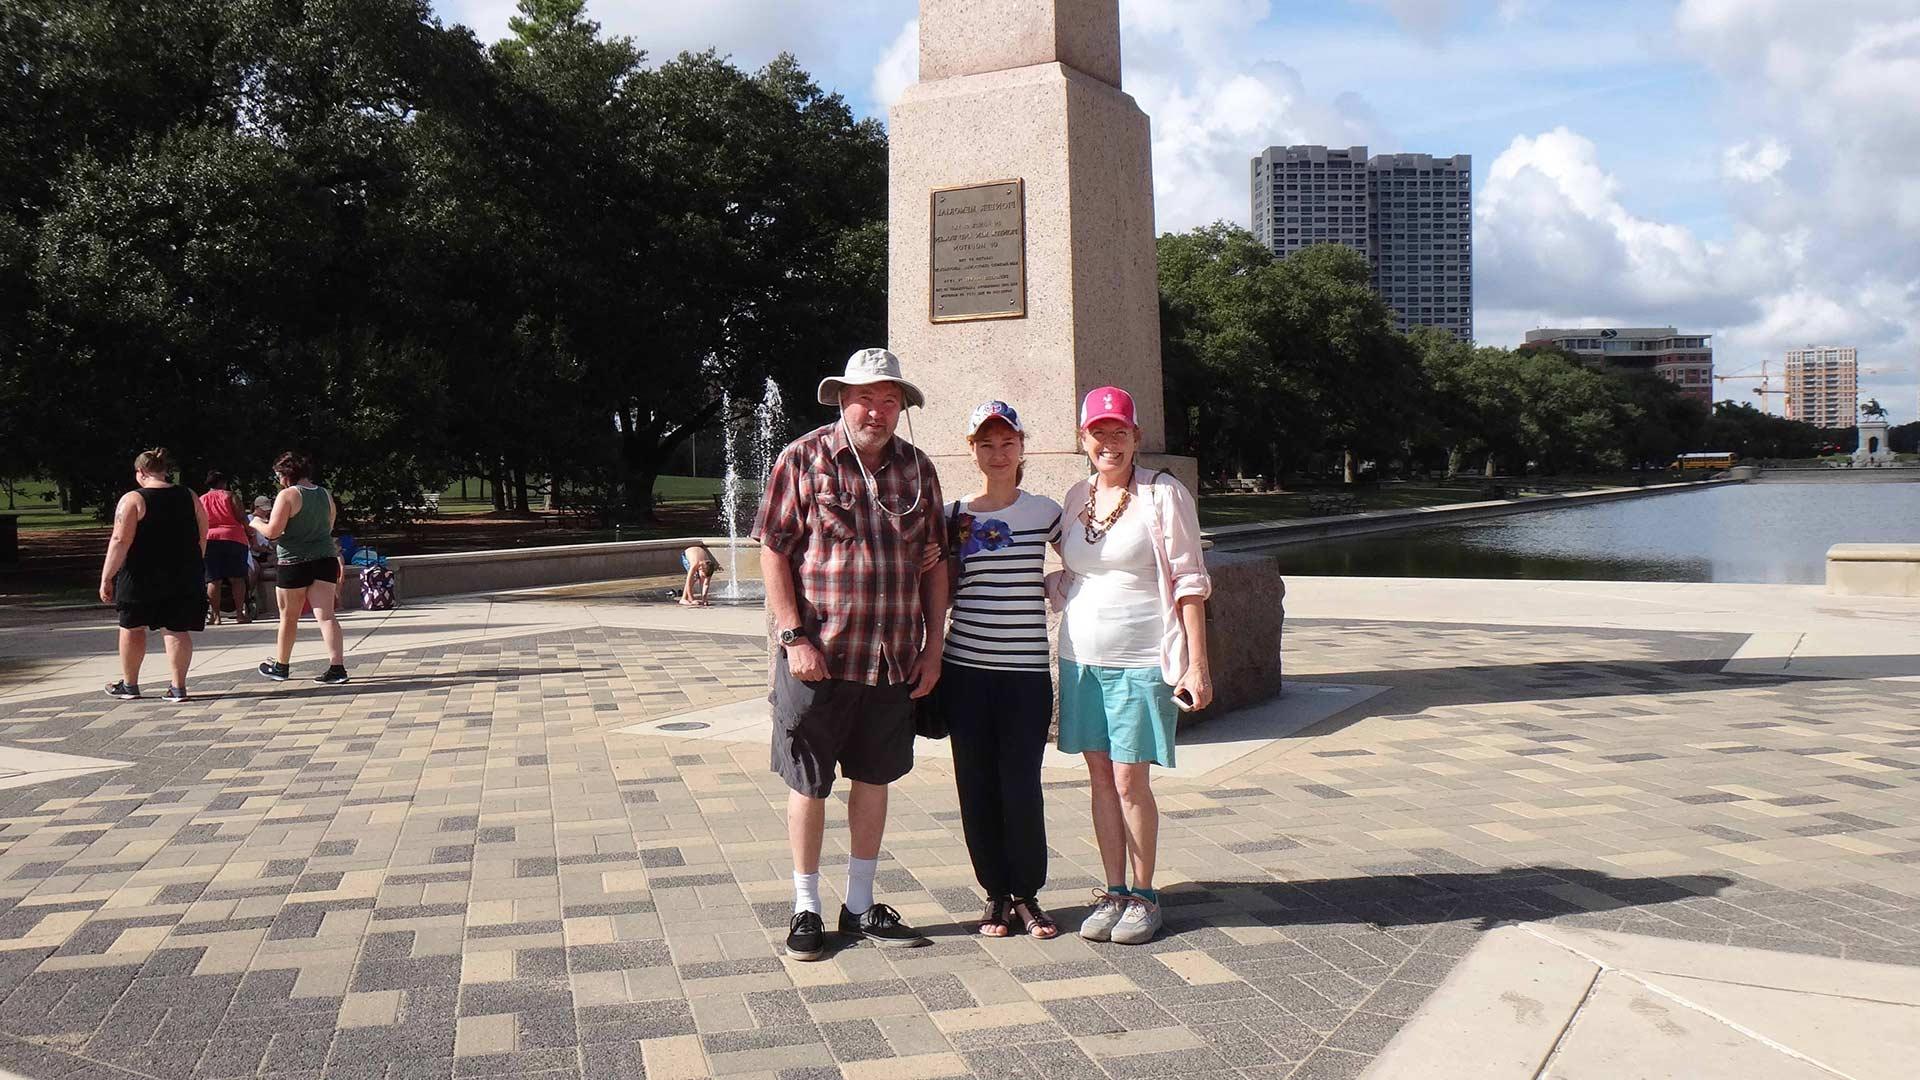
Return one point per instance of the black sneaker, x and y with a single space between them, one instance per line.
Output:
807 937
274 670
881 925
123 690
175 694
333 676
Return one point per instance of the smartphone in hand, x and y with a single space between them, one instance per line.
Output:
1183 699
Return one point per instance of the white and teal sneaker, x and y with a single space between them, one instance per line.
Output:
1138 924
1107 909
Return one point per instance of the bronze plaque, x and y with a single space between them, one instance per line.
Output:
979 252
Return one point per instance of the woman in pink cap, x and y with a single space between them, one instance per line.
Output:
1133 649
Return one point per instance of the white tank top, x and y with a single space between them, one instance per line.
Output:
1112 617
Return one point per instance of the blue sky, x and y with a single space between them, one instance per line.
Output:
1745 168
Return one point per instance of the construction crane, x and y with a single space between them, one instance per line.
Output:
1763 390
1766 393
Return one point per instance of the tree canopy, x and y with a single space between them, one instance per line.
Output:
1282 365
232 227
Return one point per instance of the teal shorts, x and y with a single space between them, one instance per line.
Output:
1126 713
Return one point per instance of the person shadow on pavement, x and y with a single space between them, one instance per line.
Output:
1490 898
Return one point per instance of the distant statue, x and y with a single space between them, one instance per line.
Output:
1873 451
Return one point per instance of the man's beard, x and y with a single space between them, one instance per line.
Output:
870 439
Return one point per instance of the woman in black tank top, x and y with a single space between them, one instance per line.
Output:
154 573
165 552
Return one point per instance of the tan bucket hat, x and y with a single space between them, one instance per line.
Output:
865 367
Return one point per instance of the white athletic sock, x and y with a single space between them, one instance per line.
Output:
806 892
860 883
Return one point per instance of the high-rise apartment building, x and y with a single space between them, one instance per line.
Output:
1411 215
1823 385
1685 360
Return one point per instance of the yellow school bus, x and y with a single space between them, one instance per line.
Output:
1693 462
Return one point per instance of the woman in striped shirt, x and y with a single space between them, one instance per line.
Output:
997 687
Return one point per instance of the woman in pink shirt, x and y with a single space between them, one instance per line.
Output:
226 548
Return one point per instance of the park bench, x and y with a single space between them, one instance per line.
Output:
426 505
1246 483
573 510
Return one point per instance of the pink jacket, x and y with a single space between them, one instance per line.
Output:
1175 528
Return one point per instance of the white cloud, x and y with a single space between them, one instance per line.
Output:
1552 235
1213 106
1428 20
1753 162
1199 28
1556 245
750 31
899 67
1206 128
1820 181
1434 22
1512 11
1215 102
1839 78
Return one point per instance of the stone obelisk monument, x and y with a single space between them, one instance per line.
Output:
1022 260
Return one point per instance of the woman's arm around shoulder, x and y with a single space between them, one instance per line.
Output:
1059 580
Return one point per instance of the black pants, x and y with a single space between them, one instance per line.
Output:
998 723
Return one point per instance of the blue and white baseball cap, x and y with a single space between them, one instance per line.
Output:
992 410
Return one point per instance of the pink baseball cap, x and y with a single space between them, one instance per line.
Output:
1106 403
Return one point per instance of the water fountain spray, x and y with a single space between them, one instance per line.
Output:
730 497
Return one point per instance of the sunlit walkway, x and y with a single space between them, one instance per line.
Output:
468 862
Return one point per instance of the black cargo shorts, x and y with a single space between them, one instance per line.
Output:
867 731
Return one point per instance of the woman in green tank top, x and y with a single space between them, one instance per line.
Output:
301 527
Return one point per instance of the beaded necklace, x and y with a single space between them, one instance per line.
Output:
1097 527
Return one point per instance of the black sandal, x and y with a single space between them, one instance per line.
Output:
995 915
1032 918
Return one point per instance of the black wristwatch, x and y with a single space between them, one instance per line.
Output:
789 637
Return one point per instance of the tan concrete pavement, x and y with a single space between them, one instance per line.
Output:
489 855
1560 1003
1793 629
78 656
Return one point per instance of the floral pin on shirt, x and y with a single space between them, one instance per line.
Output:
989 535
971 534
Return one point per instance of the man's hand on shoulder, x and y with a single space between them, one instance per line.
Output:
806 662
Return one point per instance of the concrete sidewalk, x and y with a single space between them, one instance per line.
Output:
501 851
1542 1001
1790 629
77 656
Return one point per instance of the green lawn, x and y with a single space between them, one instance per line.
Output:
34 504
667 491
38 508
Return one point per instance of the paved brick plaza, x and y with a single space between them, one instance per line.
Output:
457 866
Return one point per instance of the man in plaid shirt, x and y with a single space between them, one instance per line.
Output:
848 515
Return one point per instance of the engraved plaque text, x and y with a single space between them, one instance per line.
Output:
979 252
